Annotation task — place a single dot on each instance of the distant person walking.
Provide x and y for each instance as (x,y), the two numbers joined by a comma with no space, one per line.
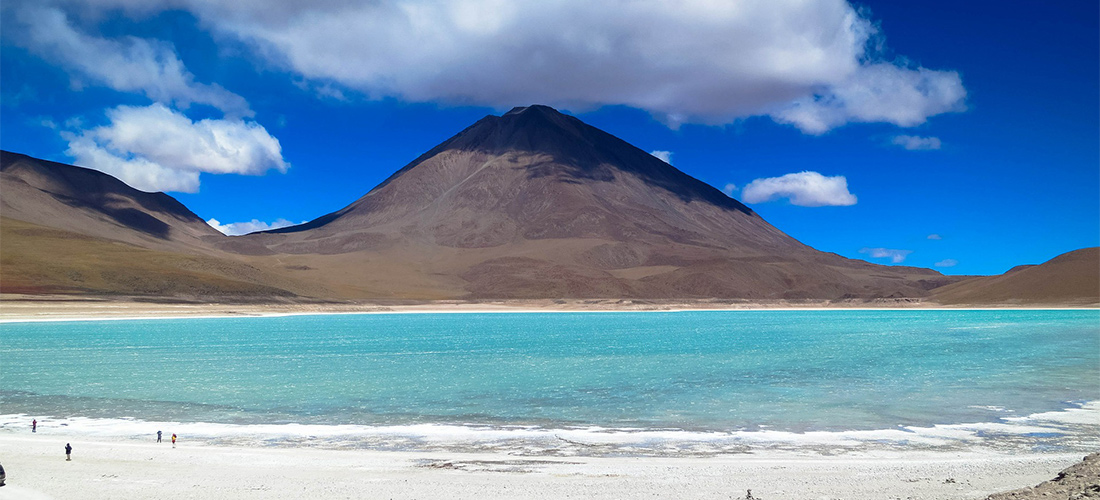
(158,436)
(34,425)
(173,440)
(68,452)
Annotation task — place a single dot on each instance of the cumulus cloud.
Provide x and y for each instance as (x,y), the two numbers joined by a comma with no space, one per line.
(138,172)
(815,65)
(239,228)
(895,256)
(128,64)
(935,237)
(881,92)
(729,189)
(916,143)
(805,189)
(665,156)
(154,148)
(947,263)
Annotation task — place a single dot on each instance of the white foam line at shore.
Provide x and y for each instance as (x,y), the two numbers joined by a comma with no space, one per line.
(1087,414)
(504,310)
(1046,423)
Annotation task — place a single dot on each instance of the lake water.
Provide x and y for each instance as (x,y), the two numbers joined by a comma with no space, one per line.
(569,383)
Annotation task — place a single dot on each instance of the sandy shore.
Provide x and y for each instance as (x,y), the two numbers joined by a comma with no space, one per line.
(36,469)
(50,308)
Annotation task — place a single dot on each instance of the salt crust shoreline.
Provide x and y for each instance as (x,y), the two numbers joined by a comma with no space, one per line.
(100,469)
(21,310)
(1008,434)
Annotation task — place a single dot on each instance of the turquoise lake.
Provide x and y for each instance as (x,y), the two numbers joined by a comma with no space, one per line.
(395,380)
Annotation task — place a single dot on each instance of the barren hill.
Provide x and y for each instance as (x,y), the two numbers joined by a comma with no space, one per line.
(1072,278)
(92,203)
(72,230)
(533,204)
(536,203)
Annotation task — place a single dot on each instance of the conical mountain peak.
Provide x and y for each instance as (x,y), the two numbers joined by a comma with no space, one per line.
(534,156)
(534,108)
(579,152)
(540,118)
(535,128)
(537,203)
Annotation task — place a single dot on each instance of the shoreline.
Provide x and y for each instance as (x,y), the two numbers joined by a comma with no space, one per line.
(24,310)
(1073,428)
(104,468)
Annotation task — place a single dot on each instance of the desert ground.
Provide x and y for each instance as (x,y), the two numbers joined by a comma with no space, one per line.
(100,469)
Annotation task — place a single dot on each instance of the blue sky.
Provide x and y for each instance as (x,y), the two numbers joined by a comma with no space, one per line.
(963,137)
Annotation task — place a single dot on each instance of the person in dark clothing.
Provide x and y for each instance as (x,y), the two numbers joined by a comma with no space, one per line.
(34,425)
(68,452)
(158,436)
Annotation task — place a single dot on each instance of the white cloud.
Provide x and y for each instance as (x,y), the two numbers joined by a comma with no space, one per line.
(154,148)
(935,237)
(895,256)
(138,172)
(917,143)
(947,263)
(729,189)
(128,64)
(880,92)
(239,228)
(816,65)
(805,189)
(44,121)
(665,156)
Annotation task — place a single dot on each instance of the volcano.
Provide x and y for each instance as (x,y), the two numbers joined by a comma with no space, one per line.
(538,204)
(533,204)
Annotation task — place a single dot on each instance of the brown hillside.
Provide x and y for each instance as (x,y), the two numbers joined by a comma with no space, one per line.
(71,230)
(1072,278)
(92,203)
(40,260)
(531,204)
(535,203)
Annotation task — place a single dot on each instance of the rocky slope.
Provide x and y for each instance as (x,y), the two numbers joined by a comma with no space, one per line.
(1078,482)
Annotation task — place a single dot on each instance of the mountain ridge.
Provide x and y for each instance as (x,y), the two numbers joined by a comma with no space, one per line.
(515,131)
(1071,278)
(533,204)
(487,205)
(97,197)
(66,229)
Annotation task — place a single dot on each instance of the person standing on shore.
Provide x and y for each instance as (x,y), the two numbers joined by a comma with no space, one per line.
(158,436)
(173,440)
(34,425)
(68,452)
